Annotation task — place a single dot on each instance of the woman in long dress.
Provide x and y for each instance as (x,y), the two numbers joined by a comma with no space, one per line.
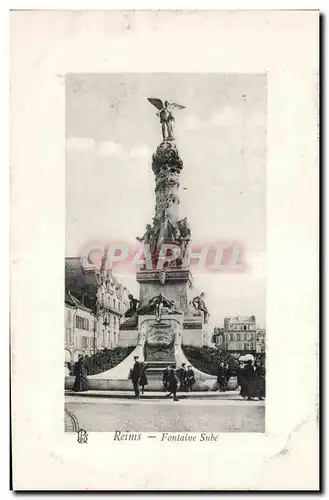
(249,380)
(241,379)
(252,385)
(81,380)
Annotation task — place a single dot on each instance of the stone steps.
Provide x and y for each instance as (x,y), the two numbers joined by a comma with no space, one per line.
(156,368)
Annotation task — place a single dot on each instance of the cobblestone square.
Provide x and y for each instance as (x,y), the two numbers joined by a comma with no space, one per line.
(109,415)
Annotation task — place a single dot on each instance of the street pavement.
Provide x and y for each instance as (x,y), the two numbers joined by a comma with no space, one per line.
(165,415)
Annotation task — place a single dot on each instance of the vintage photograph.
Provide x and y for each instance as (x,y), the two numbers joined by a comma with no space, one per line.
(165,283)
(164,194)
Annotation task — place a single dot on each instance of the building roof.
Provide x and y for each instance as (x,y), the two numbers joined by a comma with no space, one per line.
(81,283)
(73,302)
(241,319)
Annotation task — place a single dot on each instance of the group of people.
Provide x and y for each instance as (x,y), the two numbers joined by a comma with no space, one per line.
(173,380)
(251,379)
(223,376)
(181,379)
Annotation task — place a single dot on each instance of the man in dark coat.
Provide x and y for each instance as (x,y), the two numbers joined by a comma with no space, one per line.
(181,373)
(221,377)
(165,378)
(260,379)
(136,373)
(228,374)
(173,384)
(190,378)
(143,378)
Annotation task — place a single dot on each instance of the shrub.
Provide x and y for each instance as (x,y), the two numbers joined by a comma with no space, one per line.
(207,359)
(105,359)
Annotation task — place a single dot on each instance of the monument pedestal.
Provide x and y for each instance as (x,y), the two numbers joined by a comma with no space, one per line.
(159,344)
(172,282)
(159,339)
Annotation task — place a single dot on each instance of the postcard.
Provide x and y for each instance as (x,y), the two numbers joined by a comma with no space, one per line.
(165,237)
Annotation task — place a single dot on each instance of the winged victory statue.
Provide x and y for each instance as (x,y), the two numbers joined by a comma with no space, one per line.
(165,111)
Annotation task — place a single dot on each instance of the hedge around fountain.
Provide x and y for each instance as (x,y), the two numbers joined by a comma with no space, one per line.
(206,359)
(105,359)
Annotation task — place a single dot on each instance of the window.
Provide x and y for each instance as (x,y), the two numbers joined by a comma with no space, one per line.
(84,342)
(231,336)
(114,303)
(245,328)
(238,336)
(82,323)
(68,337)
(245,336)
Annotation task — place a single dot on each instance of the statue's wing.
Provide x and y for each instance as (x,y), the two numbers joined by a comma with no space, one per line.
(156,102)
(174,105)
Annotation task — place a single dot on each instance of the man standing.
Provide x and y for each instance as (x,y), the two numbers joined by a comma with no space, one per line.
(260,379)
(136,375)
(166,377)
(173,383)
(221,377)
(190,378)
(228,374)
(182,377)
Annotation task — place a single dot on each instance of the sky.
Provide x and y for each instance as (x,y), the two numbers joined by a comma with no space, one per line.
(112,132)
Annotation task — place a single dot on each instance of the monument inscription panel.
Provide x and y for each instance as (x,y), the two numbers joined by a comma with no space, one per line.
(159,343)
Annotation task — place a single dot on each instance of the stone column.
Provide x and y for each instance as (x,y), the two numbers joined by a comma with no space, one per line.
(166,165)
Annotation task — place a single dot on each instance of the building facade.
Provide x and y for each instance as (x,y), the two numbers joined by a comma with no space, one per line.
(260,341)
(80,334)
(218,337)
(240,335)
(112,303)
(95,303)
